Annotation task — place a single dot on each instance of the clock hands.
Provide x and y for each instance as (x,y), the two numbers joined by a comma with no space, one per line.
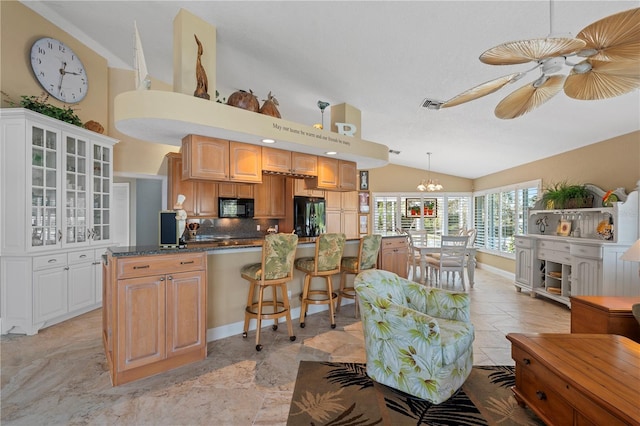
(62,74)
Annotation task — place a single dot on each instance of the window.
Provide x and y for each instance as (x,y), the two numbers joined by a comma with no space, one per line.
(501,213)
(440,214)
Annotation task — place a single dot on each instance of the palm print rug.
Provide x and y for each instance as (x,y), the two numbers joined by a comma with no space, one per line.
(341,394)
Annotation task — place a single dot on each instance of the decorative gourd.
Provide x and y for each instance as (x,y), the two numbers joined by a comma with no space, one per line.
(244,100)
(270,107)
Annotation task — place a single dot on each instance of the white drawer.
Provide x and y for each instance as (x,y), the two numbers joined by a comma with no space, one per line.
(49,261)
(81,256)
(524,242)
(555,256)
(593,252)
(554,245)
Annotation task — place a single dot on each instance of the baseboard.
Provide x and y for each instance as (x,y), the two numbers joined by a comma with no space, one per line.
(508,275)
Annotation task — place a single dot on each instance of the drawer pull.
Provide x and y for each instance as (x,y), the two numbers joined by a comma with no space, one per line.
(141,267)
(82,256)
(541,395)
(187,263)
(52,260)
(526,361)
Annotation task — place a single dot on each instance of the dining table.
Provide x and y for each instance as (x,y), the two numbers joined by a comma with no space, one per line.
(432,245)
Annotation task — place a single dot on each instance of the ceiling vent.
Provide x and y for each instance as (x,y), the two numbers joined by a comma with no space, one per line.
(431,103)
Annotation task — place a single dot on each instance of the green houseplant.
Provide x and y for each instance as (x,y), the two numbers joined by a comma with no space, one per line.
(563,195)
(39,104)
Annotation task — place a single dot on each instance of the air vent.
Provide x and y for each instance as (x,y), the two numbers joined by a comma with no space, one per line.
(393,151)
(431,103)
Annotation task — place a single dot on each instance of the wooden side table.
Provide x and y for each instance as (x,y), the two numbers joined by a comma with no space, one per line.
(605,315)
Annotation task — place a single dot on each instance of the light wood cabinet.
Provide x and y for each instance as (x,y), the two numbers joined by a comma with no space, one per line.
(154,314)
(300,189)
(270,197)
(289,163)
(235,190)
(206,158)
(334,175)
(201,196)
(342,213)
(393,255)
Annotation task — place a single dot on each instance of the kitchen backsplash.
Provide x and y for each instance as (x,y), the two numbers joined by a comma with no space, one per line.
(231,228)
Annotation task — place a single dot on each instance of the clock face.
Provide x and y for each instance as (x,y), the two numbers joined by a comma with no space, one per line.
(59,71)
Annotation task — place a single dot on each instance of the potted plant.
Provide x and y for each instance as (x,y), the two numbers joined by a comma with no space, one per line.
(40,104)
(429,206)
(562,195)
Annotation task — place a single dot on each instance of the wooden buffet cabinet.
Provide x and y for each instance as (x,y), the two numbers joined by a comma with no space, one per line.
(578,379)
(154,313)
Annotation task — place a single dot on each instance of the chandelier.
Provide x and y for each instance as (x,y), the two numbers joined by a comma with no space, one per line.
(429,184)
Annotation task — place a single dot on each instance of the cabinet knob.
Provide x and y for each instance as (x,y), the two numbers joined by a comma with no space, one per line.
(170,278)
(161,278)
(526,361)
(541,395)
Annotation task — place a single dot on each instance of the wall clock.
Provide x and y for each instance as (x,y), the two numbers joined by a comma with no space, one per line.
(59,70)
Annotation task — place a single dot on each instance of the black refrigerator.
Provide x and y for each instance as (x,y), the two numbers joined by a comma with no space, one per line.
(309,216)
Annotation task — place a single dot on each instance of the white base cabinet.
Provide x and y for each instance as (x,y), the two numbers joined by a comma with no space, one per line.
(39,291)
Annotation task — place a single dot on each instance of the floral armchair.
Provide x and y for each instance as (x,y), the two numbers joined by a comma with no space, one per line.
(418,339)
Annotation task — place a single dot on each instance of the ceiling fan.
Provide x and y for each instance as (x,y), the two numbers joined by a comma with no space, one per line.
(611,66)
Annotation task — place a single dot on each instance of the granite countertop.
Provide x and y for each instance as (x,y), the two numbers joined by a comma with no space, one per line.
(213,244)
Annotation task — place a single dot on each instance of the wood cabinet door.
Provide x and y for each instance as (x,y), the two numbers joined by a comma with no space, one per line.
(350,200)
(245,161)
(186,312)
(141,321)
(261,195)
(304,164)
(244,190)
(227,190)
(276,160)
(334,221)
(328,173)
(178,186)
(277,196)
(205,158)
(333,200)
(348,176)
(269,197)
(207,199)
(350,223)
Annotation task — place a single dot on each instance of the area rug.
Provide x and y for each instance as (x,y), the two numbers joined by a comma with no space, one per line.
(341,394)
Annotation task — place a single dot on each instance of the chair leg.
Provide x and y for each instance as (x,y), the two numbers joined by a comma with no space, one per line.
(287,307)
(343,284)
(247,315)
(259,318)
(332,315)
(303,302)
(274,291)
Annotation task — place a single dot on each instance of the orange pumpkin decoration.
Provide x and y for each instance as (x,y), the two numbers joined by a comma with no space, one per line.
(270,107)
(244,100)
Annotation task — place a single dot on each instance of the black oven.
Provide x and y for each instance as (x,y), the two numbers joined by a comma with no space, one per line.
(235,207)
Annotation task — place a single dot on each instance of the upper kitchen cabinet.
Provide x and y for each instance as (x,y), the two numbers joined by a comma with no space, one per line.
(334,175)
(201,196)
(60,187)
(270,197)
(235,190)
(279,161)
(206,158)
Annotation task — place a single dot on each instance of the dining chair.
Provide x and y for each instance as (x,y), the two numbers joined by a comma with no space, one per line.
(274,271)
(415,256)
(325,263)
(453,251)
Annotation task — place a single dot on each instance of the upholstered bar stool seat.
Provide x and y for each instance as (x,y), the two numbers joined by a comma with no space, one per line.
(325,263)
(366,259)
(274,271)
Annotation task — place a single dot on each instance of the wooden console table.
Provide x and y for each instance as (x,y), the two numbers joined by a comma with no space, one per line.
(578,379)
(604,315)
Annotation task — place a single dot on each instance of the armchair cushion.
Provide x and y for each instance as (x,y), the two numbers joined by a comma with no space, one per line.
(418,339)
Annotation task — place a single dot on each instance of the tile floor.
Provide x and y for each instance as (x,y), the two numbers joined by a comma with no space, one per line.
(60,377)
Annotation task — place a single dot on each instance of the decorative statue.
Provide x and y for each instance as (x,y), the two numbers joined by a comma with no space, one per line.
(201,76)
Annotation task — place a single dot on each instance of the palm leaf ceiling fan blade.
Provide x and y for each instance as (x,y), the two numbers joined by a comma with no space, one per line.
(529,97)
(604,80)
(614,38)
(482,90)
(522,51)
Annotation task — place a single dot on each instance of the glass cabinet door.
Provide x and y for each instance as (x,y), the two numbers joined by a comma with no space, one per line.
(45,229)
(101,192)
(76,189)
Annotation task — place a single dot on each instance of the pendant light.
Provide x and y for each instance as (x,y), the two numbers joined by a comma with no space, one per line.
(429,185)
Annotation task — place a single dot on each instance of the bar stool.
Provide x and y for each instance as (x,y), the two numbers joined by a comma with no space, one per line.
(367,258)
(325,263)
(275,270)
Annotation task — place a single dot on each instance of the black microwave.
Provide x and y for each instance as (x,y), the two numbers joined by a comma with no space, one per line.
(235,207)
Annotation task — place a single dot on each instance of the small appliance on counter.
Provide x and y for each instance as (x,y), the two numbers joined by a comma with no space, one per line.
(235,207)
(170,230)
(309,216)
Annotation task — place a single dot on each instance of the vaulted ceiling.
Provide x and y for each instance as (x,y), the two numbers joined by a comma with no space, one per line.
(382,57)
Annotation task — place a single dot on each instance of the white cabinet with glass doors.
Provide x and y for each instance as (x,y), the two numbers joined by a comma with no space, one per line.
(56,199)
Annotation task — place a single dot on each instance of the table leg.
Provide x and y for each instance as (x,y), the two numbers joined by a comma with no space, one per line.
(471,266)
(423,269)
